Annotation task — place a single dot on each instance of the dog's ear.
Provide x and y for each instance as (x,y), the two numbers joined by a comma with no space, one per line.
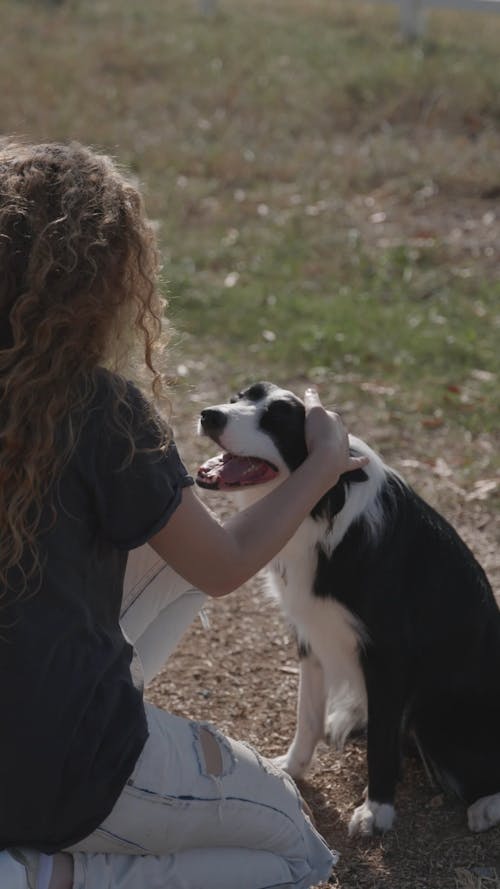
(355,475)
(331,503)
(334,500)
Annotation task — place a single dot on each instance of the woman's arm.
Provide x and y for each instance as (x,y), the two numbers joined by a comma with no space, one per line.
(217,558)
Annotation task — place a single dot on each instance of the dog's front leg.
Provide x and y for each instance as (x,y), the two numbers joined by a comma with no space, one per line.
(385,716)
(310,717)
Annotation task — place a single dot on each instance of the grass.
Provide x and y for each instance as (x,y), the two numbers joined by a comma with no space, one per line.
(325,194)
(290,315)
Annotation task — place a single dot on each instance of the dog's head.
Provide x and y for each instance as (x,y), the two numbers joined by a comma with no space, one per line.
(261,432)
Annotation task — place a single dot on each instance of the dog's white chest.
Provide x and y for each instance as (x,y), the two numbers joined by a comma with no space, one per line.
(323,623)
(293,570)
(291,576)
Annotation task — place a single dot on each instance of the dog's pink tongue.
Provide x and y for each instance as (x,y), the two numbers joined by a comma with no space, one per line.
(227,471)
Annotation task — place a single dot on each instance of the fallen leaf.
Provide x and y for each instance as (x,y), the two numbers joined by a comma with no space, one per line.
(231,279)
(483,488)
(442,468)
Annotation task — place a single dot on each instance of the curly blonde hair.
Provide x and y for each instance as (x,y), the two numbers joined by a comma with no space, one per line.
(78,287)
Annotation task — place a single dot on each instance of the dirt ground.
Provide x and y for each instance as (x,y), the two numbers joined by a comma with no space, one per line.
(242,674)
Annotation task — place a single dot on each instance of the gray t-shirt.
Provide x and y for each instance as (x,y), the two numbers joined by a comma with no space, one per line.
(73,722)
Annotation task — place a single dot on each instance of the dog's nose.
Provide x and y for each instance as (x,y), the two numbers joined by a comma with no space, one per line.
(212,420)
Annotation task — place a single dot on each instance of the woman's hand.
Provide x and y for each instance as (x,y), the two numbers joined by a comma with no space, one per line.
(326,438)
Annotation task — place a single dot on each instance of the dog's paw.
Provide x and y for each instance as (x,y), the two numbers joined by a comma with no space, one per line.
(371,816)
(290,765)
(484,813)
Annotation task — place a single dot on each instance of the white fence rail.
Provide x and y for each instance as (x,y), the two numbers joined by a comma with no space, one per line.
(412,12)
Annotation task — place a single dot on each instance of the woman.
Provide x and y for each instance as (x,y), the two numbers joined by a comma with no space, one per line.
(100,790)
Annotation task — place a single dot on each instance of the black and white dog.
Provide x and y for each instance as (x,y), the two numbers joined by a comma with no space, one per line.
(397,625)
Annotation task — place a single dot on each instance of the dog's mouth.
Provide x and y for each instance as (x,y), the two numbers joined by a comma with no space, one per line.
(225,472)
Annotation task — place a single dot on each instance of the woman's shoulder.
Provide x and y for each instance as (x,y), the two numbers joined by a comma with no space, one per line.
(120,411)
(117,398)
(110,385)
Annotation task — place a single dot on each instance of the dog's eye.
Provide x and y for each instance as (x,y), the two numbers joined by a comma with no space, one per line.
(256,392)
(237,397)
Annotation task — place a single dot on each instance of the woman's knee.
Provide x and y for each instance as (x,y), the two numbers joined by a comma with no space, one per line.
(211,752)
(62,871)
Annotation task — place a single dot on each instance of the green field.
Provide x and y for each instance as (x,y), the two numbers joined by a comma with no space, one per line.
(327,196)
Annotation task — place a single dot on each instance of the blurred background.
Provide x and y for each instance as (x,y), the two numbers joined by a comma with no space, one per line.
(327,195)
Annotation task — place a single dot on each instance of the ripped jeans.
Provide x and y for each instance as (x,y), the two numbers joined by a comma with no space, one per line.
(200,811)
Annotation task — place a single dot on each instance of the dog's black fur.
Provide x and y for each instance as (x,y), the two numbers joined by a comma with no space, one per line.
(427,623)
